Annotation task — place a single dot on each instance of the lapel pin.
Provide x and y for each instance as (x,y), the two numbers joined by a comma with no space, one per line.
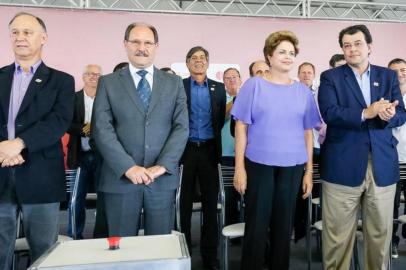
(376,84)
(212,88)
(38,80)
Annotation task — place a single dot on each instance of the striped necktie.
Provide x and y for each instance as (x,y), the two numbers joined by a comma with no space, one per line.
(144,89)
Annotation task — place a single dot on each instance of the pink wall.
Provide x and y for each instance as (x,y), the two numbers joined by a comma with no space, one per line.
(78,37)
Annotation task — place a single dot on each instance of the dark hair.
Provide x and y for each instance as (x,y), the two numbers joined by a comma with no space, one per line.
(140,24)
(39,20)
(275,39)
(396,61)
(231,68)
(351,30)
(196,49)
(120,66)
(306,64)
(168,69)
(335,58)
(252,66)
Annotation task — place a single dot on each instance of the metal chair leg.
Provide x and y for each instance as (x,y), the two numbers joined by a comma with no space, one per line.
(390,256)
(309,251)
(225,253)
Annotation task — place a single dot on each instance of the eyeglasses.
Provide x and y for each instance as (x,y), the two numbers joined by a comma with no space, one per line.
(231,78)
(137,43)
(357,45)
(92,74)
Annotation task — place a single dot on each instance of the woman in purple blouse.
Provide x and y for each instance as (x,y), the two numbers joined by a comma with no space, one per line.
(275,116)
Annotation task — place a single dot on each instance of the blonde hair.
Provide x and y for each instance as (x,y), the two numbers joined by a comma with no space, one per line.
(274,39)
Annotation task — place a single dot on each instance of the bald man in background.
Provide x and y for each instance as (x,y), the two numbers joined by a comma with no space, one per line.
(80,152)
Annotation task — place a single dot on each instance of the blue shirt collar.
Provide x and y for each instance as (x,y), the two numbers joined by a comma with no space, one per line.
(367,72)
(194,82)
(33,68)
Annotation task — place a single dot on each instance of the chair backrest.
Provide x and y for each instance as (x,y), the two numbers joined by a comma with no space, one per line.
(177,199)
(226,178)
(72,181)
(402,171)
(316,173)
(72,185)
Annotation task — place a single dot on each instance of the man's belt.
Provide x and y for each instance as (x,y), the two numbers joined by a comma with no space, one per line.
(201,144)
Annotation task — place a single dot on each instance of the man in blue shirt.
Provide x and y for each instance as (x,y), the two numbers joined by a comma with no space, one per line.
(206,105)
(361,103)
(232,83)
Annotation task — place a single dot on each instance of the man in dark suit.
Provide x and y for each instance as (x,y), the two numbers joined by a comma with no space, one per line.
(80,153)
(360,103)
(140,127)
(36,107)
(207,106)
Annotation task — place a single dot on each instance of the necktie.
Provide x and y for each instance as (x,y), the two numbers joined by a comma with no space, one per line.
(144,89)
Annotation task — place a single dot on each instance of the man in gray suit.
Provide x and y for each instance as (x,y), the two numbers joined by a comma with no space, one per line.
(140,126)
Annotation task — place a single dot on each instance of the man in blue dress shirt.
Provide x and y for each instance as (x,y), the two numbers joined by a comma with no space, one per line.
(206,105)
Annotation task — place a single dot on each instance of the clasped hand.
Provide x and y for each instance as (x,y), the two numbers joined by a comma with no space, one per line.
(86,129)
(10,153)
(381,108)
(141,175)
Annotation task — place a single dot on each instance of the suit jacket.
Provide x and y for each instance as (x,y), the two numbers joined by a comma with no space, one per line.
(44,116)
(218,108)
(75,131)
(349,140)
(126,135)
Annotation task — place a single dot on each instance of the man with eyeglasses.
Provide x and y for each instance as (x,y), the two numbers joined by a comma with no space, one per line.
(207,110)
(140,127)
(36,105)
(80,152)
(361,103)
(258,68)
(232,83)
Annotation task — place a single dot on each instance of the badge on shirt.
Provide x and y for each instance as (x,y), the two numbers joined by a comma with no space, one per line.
(38,80)
(212,88)
(376,84)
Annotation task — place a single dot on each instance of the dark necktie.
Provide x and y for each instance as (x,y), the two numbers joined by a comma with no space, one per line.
(144,89)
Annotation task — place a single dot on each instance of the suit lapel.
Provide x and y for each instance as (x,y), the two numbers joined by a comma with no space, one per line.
(375,85)
(212,91)
(38,81)
(353,84)
(81,106)
(6,80)
(157,89)
(186,84)
(129,86)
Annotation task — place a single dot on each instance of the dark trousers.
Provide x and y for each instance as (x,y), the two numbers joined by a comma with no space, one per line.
(401,185)
(232,196)
(101,229)
(270,203)
(89,174)
(201,162)
(40,223)
(123,211)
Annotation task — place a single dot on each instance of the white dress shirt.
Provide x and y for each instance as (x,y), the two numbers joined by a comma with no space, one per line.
(88,116)
(137,78)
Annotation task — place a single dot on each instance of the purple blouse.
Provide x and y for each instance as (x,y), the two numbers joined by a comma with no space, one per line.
(277,116)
